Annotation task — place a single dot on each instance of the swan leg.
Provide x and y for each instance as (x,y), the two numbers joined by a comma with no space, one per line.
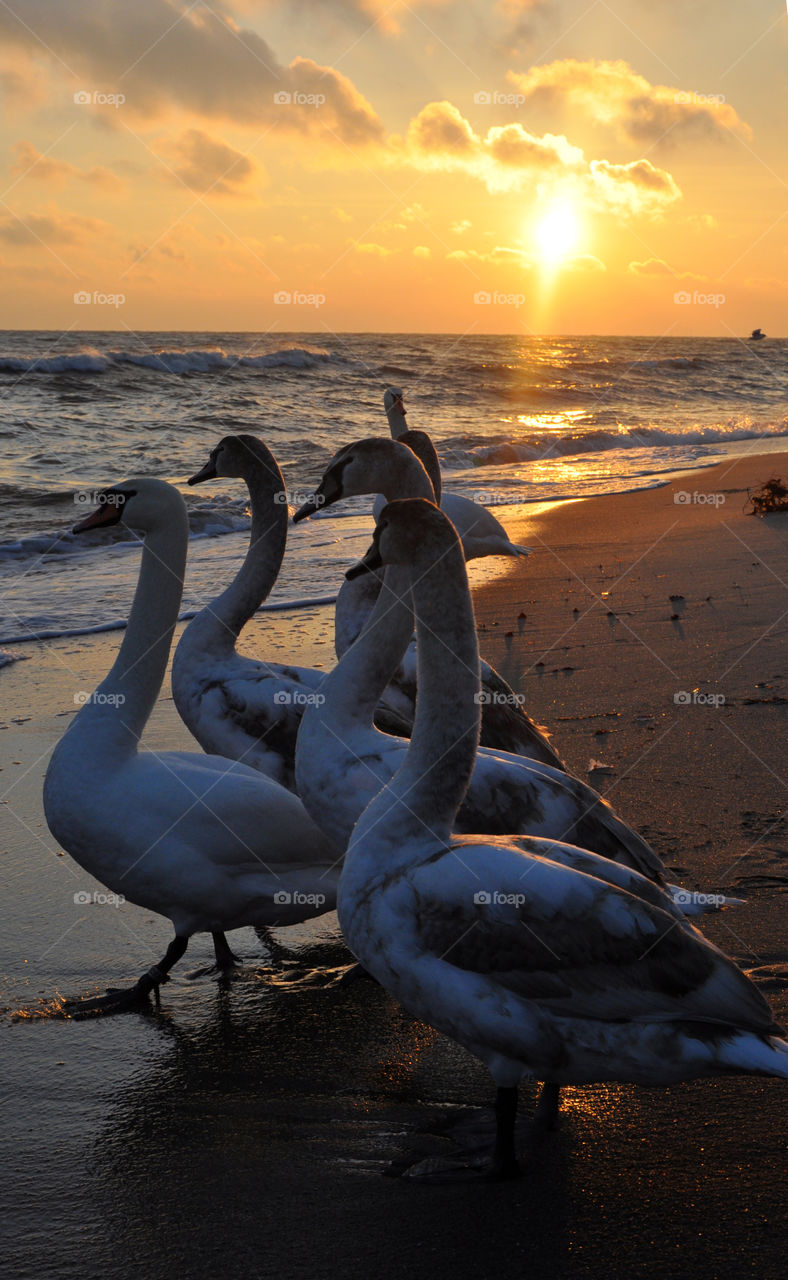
(225,958)
(546,1116)
(504,1161)
(119,1000)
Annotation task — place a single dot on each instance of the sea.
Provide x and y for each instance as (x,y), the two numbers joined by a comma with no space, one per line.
(516,421)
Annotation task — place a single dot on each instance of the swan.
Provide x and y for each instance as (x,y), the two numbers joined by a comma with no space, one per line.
(243,708)
(481,533)
(540,958)
(342,761)
(207,842)
(373,465)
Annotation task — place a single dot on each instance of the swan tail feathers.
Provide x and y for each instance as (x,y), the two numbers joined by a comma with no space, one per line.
(750,1053)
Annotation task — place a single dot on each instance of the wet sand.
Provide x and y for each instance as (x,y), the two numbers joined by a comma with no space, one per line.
(243,1129)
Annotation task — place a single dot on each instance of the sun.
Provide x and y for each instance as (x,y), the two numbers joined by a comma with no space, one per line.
(557,233)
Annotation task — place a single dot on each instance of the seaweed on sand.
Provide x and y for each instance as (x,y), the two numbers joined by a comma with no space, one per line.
(772,496)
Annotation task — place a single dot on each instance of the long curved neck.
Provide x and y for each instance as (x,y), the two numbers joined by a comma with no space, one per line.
(220,623)
(119,709)
(355,602)
(398,424)
(354,688)
(407,479)
(426,792)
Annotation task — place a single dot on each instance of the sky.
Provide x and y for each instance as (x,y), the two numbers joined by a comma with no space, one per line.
(489,166)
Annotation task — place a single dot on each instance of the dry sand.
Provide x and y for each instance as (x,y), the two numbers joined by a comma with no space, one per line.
(242,1130)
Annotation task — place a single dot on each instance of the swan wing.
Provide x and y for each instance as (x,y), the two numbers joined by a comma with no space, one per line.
(578,944)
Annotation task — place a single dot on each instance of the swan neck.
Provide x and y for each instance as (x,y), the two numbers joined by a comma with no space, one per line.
(398,423)
(407,479)
(423,797)
(222,621)
(354,688)
(125,699)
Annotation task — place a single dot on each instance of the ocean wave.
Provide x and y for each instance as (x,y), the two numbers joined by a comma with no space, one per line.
(62,633)
(6,657)
(552,444)
(207,361)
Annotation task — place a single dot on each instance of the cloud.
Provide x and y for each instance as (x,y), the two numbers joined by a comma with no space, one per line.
(508,158)
(612,94)
(422,251)
(374,250)
(50,228)
(207,164)
(658,267)
(164,55)
(33,164)
(501,255)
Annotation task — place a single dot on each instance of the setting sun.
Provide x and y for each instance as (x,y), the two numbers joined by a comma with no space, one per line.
(557,233)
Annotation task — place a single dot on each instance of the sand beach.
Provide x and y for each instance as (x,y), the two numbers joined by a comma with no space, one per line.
(244,1127)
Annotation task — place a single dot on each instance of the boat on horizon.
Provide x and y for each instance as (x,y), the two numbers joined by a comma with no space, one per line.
(756,335)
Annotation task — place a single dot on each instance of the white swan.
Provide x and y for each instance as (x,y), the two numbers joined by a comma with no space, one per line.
(390,468)
(243,708)
(481,533)
(538,957)
(342,761)
(207,842)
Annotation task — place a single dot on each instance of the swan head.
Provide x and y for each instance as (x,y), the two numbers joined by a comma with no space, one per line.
(141,503)
(395,411)
(238,457)
(412,532)
(368,466)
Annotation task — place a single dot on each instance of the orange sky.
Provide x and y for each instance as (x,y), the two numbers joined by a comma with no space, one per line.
(330,165)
